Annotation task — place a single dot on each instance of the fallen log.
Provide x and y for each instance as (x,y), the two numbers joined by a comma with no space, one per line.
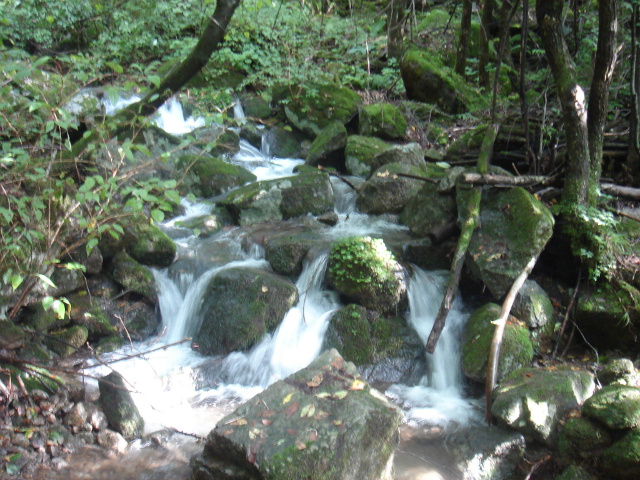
(506,180)
(620,191)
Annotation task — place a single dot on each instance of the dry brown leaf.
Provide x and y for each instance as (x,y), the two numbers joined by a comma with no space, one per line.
(315,381)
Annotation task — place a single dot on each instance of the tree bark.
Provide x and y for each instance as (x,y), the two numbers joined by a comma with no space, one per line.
(633,149)
(604,65)
(486,21)
(572,100)
(395,29)
(177,78)
(463,39)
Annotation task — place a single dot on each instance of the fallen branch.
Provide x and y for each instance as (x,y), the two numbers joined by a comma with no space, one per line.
(417,177)
(141,354)
(468,227)
(496,342)
(620,191)
(337,175)
(506,180)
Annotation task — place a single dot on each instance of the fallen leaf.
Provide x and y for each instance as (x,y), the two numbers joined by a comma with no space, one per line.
(267,413)
(323,394)
(337,423)
(267,421)
(300,445)
(291,409)
(357,385)
(315,381)
(238,422)
(265,289)
(292,431)
(338,363)
(287,399)
(227,432)
(321,415)
(340,394)
(308,410)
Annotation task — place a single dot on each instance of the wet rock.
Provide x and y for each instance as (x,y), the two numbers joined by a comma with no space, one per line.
(387,191)
(240,306)
(620,371)
(112,441)
(581,438)
(285,142)
(77,416)
(119,408)
(217,141)
(67,341)
(96,417)
(133,276)
(255,107)
(210,176)
(622,459)
(323,422)
(406,154)
(328,147)
(616,406)
(285,254)
(532,305)
(382,120)
(91,261)
(428,210)
(516,350)
(360,152)
(486,453)
(513,227)
(364,271)
(329,218)
(533,400)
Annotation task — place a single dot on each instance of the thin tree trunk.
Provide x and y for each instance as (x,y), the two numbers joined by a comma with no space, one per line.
(633,155)
(604,65)
(498,333)
(463,39)
(468,227)
(524,104)
(486,21)
(177,78)
(395,29)
(572,100)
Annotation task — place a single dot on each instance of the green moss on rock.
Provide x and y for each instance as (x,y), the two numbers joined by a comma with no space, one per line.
(382,120)
(67,341)
(622,459)
(580,437)
(616,406)
(328,147)
(360,152)
(132,276)
(207,176)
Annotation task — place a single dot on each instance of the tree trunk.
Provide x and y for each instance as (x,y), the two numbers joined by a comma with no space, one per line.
(463,39)
(395,29)
(177,78)
(485,34)
(633,149)
(605,62)
(572,100)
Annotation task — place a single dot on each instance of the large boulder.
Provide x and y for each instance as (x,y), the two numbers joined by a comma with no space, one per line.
(365,272)
(128,273)
(532,305)
(428,210)
(240,306)
(121,411)
(410,154)
(206,176)
(67,341)
(516,350)
(616,406)
(581,438)
(328,147)
(306,193)
(622,459)
(360,152)
(321,423)
(387,190)
(382,120)
(513,227)
(310,108)
(609,317)
(534,400)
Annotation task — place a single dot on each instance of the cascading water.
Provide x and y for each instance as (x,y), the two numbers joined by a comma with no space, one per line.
(164,378)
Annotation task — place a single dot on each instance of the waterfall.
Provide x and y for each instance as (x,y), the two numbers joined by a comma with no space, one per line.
(439,396)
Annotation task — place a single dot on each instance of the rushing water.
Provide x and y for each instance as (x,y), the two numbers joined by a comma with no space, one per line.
(164,380)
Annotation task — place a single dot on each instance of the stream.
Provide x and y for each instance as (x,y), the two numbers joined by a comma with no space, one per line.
(182,394)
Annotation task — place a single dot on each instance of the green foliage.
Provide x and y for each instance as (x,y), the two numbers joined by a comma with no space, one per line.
(363,260)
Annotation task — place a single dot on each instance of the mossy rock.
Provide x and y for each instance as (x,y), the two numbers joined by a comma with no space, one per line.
(128,273)
(575,472)
(84,313)
(149,245)
(67,341)
(328,147)
(513,228)
(387,190)
(580,437)
(121,411)
(207,176)
(285,142)
(35,378)
(619,371)
(360,152)
(427,79)
(353,332)
(616,406)
(285,254)
(109,344)
(240,306)
(206,225)
(364,271)
(622,459)
(217,141)
(516,351)
(532,305)
(310,108)
(11,336)
(42,319)
(382,120)
(409,154)
(609,316)
(255,107)
(429,209)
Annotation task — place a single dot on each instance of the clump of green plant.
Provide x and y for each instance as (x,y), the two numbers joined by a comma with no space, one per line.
(361,260)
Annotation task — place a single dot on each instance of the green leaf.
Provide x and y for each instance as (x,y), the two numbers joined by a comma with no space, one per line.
(46,280)
(47,302)
(91,244)
(16,281)
(74,266)
(157,215)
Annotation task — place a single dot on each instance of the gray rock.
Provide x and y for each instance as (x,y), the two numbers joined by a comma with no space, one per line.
(622,459)
(616,406)
(133,276)
(328,147)
(112,441)
(386,191)
(323,422)
(532,305)
(621,371)
(360,152)
(533,400)
(120,409)
(77,416)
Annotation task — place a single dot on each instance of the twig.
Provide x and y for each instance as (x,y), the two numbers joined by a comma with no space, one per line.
(566,316)
(337,175)
(135,355)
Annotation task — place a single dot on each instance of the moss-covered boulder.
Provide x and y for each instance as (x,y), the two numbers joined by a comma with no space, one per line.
(206,176)
(121,411)
(387,190)
(409,154)
(534,400)
(619,371)
(87,311)
(516,350)
(130,275)
(581,438)
(428,80)
(532,305)
(382,120)
(513,227)
(240,306)
(310,108)
(328,147)
(364,271)
(149,245)
(283,142)
(616,406)
(353,332)
(321,423)
(11,336)
(217,141)
(609,316)
(306,193)
(622,459)
(575,472)
(204,226)
(429,209)
(67,341)
(360,152)
(109,344)
(255,107)
(66,280)
(285,253)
